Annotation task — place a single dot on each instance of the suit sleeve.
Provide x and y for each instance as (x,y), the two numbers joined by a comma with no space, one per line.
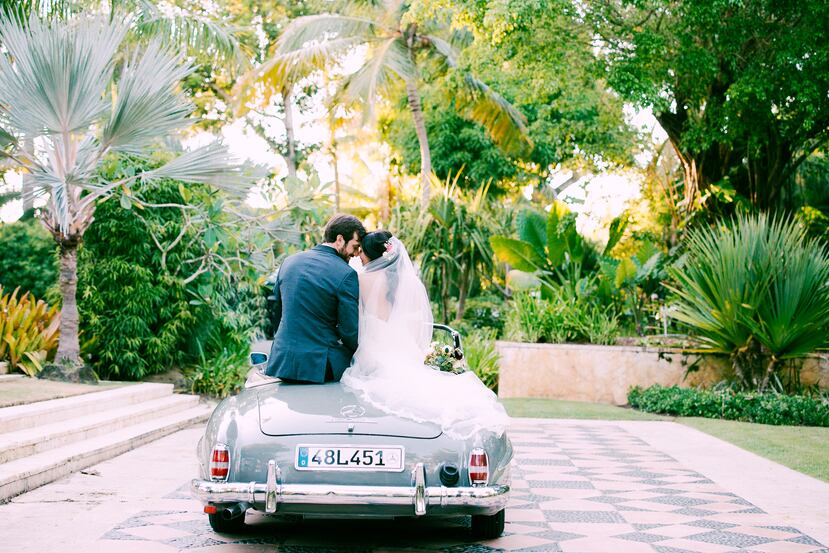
(348,318)
(277,305)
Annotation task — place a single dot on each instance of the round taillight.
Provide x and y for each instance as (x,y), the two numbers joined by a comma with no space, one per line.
(478,467)
(219,462)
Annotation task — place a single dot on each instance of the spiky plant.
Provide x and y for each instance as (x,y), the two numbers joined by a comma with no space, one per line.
(396,48)
(70,96)
(757,290)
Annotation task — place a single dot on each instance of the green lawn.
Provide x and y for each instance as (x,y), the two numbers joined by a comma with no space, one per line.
(802,448)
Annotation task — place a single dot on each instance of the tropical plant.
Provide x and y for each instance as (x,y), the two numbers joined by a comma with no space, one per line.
(482,357)
(66,88)
(756,290)
(28,331)
(29,258)
(397,49)
(551,247)
(219,375)
(450,242)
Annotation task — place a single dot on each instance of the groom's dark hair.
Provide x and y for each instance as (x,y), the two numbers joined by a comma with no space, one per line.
(345,225)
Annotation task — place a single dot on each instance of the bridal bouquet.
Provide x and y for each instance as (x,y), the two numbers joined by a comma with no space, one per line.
(441,357)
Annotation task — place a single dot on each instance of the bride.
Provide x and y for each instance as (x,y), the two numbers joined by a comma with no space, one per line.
(395,333)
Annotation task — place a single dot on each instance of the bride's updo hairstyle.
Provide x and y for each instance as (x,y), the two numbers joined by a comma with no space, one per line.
(374,243)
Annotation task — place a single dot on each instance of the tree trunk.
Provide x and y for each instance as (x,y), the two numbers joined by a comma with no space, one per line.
(68,344)
(423,139)
(291,158)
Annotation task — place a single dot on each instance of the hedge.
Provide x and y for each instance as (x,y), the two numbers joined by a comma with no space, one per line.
(767,408)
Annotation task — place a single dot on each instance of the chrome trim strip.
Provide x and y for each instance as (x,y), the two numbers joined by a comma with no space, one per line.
(274,492)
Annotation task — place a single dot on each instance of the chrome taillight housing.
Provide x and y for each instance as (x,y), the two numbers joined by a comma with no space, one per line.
(219,463)
(478,467)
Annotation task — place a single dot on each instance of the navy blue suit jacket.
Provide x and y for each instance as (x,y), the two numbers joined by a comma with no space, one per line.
(316,316)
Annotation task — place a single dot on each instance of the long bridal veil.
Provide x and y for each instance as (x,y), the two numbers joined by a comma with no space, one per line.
(395,334)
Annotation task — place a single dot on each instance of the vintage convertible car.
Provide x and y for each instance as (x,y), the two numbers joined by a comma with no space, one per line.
(317,449)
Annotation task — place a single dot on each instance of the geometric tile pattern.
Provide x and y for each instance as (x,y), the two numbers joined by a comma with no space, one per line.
(576,488)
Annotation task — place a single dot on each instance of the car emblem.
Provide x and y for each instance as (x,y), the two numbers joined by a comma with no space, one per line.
(352,411)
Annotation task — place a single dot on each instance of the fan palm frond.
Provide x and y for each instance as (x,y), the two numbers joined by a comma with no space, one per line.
(147,104)
(56,81)
(210,164)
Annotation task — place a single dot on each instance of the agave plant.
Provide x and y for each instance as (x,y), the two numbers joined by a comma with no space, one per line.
(395,48)
(70,96)
(757,290)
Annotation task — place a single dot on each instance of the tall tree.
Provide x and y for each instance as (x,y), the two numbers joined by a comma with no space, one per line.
(67,86)
(741,88)
(397,49)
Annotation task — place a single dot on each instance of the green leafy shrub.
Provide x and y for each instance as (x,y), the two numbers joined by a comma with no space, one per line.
(142,294)
(763,408)
(28,331)
(485,313)
(566,317)
(29,259)
(755,290)
(482,357)
(220,374)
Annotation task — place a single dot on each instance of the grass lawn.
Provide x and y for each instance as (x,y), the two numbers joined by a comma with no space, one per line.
(802,448)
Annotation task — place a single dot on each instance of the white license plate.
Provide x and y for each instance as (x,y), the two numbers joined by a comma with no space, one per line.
(350,458)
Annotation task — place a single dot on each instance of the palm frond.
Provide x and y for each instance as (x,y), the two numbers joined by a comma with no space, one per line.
(198,36)
(285,69)
(505,124)
(56,81)
(322,27)
(211,164)
(387,60)
(147,104)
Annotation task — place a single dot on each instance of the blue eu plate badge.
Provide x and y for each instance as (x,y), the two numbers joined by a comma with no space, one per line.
(302,459)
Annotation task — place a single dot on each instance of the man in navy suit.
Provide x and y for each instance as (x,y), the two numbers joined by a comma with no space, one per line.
(316,309)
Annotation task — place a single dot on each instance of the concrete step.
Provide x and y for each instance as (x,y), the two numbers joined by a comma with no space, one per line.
(30,441)
(51,411)
(25,474)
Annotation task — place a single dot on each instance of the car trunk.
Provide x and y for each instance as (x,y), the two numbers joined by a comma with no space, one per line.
(292,409)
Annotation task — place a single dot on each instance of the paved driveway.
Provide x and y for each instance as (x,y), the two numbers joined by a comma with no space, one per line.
(579,486)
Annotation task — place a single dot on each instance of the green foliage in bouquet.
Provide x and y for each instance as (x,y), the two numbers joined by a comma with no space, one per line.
(28,331)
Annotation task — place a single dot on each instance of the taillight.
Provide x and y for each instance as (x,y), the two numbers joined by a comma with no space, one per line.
(478,467)
(219,462)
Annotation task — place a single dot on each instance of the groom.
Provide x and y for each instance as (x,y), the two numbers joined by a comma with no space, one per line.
(316,309)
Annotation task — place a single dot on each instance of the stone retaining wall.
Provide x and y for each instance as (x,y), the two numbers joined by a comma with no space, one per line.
(604,374)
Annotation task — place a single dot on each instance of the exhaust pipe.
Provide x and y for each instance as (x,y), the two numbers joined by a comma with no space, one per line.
(235,511)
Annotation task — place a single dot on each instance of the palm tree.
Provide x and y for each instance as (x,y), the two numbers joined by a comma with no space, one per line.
(68,89)
(395,50)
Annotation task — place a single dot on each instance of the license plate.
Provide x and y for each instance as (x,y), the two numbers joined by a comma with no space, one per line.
(350,458)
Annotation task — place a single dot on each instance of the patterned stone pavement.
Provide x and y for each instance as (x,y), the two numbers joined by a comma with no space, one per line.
(581,488)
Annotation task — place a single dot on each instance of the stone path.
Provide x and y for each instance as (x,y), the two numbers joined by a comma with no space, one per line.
(579,486)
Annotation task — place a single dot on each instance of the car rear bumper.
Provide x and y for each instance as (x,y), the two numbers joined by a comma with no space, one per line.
(418,499)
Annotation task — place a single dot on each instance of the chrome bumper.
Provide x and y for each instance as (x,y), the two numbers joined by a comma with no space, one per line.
(421,498)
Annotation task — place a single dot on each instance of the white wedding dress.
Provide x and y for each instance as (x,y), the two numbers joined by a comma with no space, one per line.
(395,334)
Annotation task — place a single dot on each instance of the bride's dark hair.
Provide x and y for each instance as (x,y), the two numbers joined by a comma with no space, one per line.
(374,243)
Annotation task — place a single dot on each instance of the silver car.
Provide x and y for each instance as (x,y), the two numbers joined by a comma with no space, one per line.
(317,449)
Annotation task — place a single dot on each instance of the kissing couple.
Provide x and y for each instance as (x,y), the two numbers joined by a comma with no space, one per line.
(371,329)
